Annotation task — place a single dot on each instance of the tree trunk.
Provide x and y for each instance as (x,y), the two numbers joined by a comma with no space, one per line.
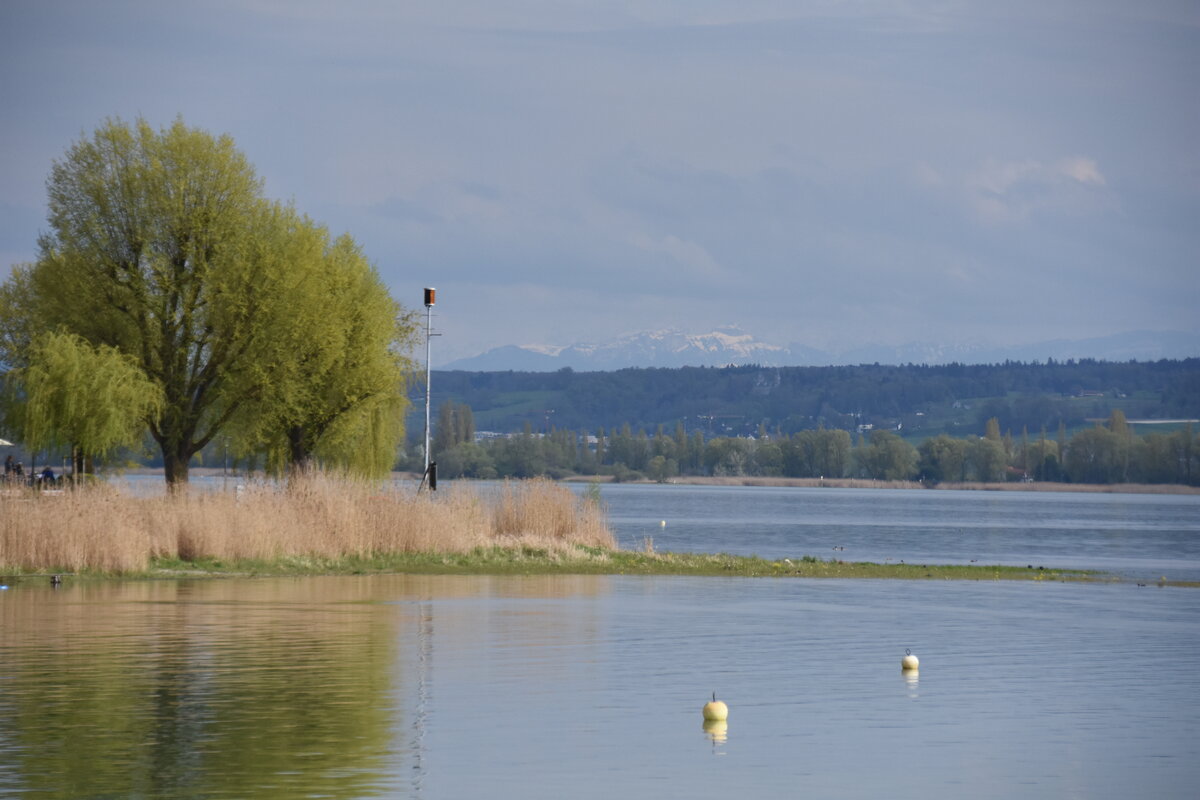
(77,469)
(300,460)
(175,467)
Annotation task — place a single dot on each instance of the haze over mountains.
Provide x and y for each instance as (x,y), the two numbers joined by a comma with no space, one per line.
(731,345)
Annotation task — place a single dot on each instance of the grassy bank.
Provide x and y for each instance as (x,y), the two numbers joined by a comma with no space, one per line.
(317,520)
(324,526)
(584,560)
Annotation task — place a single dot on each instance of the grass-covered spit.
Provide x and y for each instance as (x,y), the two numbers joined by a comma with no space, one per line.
(318,520)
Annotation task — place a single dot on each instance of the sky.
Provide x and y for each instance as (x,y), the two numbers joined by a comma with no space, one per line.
(821,173)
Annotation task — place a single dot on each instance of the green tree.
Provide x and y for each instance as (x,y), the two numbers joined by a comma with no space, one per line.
(943,458)
(695,451)
(1024,453)
(1154,461)
(335,388)
(72,396)
(832,453)
(150,251)
(681,443)
(466,460)
(455,425)
(161,245)
(17,323)
(1044,455)
(987,459)
(521,456)
(660,469)
(1123,434)
(1094,456)
(726,456)
(768,458)
(796,457)
(1187,446)
(886,457)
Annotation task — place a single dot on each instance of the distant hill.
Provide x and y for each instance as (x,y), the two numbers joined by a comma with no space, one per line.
(731,346)
(917,400)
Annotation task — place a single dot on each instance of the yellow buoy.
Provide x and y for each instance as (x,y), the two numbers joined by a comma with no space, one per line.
(909,663)
(716,710)
(663,524)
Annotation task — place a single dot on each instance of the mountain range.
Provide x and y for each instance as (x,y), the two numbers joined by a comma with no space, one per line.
(731,345)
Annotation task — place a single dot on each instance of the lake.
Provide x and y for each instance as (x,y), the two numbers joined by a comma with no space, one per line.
(1138,536)
(591,686)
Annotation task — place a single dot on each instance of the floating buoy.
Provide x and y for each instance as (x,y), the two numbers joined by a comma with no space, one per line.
(663,524)
(716,710)
(909,663)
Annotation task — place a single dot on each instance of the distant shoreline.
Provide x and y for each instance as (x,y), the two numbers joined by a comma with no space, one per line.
(864,483)
(804,483)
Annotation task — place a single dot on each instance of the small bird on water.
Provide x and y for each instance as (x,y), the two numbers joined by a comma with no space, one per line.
(56,580)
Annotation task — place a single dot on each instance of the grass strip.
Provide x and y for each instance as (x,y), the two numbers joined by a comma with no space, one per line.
(583,560)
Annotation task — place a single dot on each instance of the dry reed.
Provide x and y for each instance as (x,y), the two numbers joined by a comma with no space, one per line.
(99,529)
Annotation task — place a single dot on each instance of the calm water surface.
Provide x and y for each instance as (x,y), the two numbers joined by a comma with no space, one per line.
(1133,535)
(591,687)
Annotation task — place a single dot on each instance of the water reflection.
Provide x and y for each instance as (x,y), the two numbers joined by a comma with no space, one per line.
(242,688)
(912,678)
(224,688)
(717,730)
(588,688)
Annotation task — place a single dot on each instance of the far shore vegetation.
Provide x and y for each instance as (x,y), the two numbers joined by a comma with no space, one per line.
(1109,453)
(867,483)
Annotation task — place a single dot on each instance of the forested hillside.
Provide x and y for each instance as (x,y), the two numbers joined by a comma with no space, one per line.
(916,401)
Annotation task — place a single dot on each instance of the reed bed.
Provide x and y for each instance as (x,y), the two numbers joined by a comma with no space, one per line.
(319,517)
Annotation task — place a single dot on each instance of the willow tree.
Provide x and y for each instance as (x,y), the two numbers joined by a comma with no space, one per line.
(161,245)
(17,326)
(70,395)
(337,393)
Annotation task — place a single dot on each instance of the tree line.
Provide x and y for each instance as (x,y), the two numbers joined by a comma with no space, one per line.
(735,401)
(170,298)
(1107,453)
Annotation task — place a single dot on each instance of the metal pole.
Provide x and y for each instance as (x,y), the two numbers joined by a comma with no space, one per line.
(430,295)
(428,377)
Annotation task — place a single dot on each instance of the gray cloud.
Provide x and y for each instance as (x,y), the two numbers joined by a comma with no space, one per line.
(569,171)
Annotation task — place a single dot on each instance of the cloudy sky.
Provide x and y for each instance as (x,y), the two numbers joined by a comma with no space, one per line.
(568,170)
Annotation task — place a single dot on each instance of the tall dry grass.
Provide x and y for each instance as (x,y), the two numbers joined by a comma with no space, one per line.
(98,528)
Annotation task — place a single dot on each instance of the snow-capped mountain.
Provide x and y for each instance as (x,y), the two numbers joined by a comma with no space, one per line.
(661,348)
(731,346)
